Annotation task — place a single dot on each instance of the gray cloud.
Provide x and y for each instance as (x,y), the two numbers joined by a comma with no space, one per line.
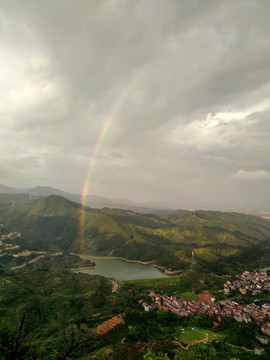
(188,82)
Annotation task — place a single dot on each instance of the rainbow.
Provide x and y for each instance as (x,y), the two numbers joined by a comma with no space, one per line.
(95,152)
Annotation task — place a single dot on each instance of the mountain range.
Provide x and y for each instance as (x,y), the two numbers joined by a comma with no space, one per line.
(9,194)
(221,242)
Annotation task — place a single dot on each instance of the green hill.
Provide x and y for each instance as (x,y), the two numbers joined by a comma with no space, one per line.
(220,241)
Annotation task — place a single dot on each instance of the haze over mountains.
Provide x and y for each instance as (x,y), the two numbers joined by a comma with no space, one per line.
(8,193)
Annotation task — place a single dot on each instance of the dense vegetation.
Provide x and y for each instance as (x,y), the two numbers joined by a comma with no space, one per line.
(46,311)
(222,242)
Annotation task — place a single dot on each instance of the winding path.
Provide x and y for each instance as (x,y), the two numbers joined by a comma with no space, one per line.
(239,347)
(192,343)
(115,285)
(34,260)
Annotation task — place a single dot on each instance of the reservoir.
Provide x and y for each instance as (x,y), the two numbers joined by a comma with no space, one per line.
(123,270)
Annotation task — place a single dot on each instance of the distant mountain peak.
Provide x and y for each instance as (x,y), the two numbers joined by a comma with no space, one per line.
(94,201)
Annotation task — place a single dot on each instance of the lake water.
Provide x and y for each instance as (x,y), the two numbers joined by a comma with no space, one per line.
(123,270)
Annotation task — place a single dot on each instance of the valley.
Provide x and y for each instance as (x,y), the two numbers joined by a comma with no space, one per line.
(66,311)
(220,242)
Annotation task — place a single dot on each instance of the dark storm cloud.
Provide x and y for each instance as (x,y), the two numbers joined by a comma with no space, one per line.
(192,79)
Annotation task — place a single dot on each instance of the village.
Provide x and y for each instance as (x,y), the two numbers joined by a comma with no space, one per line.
(257,281)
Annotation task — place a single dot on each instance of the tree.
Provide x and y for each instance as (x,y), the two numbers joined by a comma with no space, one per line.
(72,339)
(150,355)
(11,344)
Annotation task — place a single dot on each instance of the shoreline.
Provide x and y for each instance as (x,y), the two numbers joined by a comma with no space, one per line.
(173,272)
(168,272)
(83,268)
(163,268)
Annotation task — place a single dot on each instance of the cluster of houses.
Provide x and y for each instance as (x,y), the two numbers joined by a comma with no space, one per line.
(255,282)
(11,235)
(208,305)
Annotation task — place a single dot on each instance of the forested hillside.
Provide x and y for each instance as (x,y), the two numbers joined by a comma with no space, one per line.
(221,242)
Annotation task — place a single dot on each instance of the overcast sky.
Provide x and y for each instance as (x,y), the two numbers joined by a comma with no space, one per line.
(194,79)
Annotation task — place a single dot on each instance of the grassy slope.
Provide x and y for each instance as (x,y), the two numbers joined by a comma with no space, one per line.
(217,238)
